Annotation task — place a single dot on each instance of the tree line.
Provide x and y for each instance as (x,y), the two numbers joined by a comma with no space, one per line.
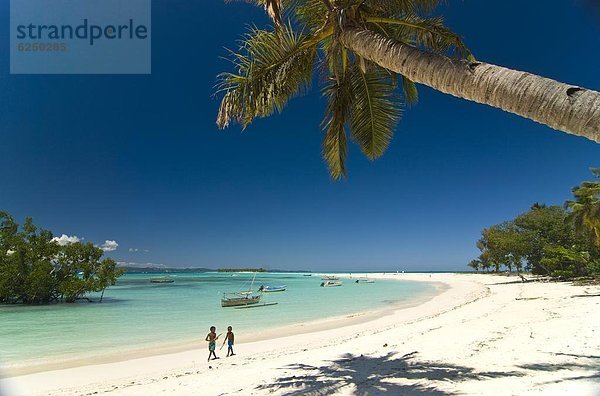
(560,241)
(35,269)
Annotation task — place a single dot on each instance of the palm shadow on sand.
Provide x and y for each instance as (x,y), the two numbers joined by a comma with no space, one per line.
(375,375)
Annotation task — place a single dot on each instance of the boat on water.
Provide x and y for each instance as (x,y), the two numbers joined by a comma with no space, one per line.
(241,298)
(331,283)
(307,274)
(364,280)
(272,289)
(330,278)
(161,279)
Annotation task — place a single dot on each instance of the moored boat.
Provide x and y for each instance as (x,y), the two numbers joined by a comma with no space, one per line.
(161,279)
(331,283)
(239,299)
(272,289)
(330,278)
(364,280)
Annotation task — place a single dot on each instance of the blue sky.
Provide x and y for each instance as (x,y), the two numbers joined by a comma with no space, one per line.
(139,160)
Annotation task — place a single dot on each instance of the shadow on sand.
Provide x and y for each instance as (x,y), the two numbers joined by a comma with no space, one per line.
(375,375)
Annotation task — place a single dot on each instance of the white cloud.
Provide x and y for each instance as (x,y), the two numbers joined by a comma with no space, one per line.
(109,246)
(135,250)
(65,239)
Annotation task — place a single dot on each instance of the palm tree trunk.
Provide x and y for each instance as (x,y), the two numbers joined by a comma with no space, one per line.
(561,106)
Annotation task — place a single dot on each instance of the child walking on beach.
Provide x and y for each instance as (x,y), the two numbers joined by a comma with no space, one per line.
(230,339)
(212,342)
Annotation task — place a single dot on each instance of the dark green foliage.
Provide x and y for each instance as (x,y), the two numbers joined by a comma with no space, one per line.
(36,270)
(548,240)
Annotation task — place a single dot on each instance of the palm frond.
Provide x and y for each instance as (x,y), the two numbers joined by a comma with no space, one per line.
(272,67)
(390,7)
(411,95)
(426,33)
(374,111)
(335,145)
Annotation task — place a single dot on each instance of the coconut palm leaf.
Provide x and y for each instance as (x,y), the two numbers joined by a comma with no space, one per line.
(411,95)
(375,109)
(335,146)
(272,67)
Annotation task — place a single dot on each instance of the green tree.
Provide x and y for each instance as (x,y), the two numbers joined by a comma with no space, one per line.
(34,269)
(584,211)
(475,264)
(566,262)
(504,246)
(543,240)
(107,275)
(367,49)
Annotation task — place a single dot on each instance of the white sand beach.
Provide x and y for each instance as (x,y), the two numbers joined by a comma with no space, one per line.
(483,334)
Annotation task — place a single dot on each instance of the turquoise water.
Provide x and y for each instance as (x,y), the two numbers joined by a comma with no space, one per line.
(138,314)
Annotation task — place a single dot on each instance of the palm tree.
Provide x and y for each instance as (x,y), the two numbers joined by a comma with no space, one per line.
(585,209)
(364,50)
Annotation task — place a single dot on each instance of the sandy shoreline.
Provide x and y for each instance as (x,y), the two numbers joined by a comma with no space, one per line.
(327,323)
(482,335)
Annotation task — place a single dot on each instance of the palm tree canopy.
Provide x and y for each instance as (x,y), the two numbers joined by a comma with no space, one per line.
(585,208)
(364,100)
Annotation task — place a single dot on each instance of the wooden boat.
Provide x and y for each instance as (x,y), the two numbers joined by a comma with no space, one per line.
(242,298)
(272,289)
(330,283)
(161,279)
(239,299)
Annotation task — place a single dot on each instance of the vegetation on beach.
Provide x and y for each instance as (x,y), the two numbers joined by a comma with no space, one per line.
(548,240)
(35,269)
(370,54)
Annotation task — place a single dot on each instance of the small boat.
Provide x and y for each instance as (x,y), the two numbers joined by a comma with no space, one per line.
(364,280)
(161,279)
(330,278)
(330,283)
(307,275)
(272,289)
(239,299)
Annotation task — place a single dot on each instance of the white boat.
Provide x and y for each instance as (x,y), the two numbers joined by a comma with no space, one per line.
(364,280)
(330,278)
(331,283)
(272,289)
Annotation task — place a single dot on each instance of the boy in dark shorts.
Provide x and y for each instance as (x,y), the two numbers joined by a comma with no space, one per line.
(212,342)
(229,338)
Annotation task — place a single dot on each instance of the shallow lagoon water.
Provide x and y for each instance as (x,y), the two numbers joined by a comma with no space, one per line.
(139,314)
